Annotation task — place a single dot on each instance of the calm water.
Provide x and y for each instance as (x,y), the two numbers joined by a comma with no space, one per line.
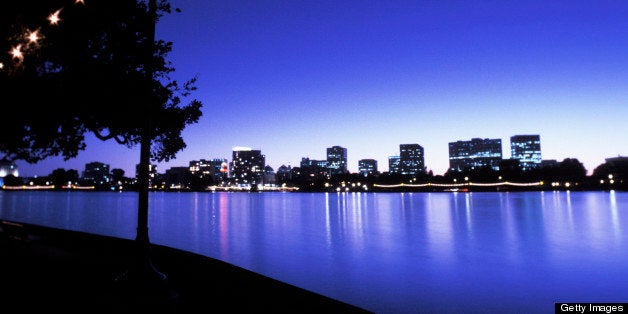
(385,252)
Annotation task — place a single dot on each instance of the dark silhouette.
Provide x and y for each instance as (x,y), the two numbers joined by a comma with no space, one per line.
(612,174)
(117,174)
(11,180)
(61,177)
(97,68)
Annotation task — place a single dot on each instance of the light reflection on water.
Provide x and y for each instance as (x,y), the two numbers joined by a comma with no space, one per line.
(386,252)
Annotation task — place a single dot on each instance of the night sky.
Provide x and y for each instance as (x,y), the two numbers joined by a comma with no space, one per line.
(292,78)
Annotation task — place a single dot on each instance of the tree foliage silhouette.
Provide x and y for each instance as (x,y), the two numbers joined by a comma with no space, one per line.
(97,68)
(88,74)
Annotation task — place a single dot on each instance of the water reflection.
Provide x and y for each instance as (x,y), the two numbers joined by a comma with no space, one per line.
(438,224)
(614,213)
(223,224)
(386,252)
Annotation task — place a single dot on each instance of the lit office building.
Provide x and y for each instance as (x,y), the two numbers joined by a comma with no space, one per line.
(411,159)
(217,169)
(247,166)
(526,149)
(337,160)
(367,167)
(314,168)
(96,172)
(393,164)
(476,153)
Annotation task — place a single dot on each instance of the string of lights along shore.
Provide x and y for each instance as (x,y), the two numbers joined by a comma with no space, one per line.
(478,159)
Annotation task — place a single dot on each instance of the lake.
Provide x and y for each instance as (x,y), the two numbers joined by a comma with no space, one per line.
(385,252)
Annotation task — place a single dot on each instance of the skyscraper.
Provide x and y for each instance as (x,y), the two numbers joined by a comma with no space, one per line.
(367,167)
(393,164)
(96,172)
(411,159)
(337,160)
(476,153)
(526,149)
(247,166)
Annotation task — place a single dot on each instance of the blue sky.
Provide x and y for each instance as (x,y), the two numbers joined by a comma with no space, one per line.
(292,78)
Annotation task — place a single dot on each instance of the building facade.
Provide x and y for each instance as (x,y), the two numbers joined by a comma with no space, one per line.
(96,172)
(367,167)
(314,169)
(393,164)
(337,160)
(526,149)
(247,166)
(476,153)
(411,159)
(217,169)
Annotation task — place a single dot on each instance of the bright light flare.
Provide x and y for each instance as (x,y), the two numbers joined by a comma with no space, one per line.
(54,18)
(33,37)
(79,2)
(16,52)
(1,66)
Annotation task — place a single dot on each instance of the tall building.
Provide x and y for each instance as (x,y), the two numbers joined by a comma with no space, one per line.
(526,149)
(476,153)
(315,169)
(247,166)
(96,172)
(411,159)
(393,164)
(367,167)
(337,159)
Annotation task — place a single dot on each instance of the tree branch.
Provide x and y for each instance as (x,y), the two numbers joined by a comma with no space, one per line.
(104,137)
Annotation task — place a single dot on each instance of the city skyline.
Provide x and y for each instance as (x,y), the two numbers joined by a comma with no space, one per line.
(292,79)
(471,157)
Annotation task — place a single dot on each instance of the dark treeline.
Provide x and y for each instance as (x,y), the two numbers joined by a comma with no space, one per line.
(567,174)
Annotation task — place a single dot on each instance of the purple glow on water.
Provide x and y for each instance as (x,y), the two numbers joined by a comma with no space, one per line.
(385,252)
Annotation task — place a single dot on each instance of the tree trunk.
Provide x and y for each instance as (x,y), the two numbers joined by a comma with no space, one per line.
(144,270)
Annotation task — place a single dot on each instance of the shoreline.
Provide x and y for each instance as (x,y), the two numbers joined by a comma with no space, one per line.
(465,189)
(70,271)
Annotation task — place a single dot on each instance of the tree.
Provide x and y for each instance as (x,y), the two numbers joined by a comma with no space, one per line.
(95,67)
(117,174)
(571,169)
(61,177)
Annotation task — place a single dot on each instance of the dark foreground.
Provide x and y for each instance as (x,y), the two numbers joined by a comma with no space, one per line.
(45,270)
